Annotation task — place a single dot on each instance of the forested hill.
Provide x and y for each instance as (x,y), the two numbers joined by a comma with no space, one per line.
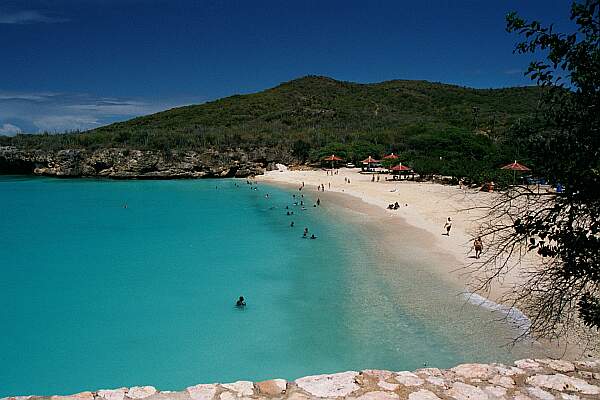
(315,115)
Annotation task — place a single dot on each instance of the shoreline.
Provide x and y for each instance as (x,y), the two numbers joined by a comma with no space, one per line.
(424,206)
(422,218)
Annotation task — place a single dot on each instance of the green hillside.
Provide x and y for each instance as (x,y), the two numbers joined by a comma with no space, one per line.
(312,116)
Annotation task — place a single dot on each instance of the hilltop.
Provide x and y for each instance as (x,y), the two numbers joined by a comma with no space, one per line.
(314,115)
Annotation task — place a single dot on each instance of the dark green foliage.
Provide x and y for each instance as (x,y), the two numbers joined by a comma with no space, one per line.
(316,116)
(565,146)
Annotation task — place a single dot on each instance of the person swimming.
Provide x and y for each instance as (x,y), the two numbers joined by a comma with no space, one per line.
(241,302)
(292,224)
(313,236)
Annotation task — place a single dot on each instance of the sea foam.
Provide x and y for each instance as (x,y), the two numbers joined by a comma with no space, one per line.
(512,315)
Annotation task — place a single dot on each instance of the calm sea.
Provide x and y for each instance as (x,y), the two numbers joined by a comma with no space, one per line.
(95,295)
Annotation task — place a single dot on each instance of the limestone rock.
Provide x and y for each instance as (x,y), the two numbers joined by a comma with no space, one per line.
(377,373)
(77,396)
(423,394)
(332,385)
(504,381)
(463,391)
(378,396)
(520,396)
(437,381)
(429,371)
(298,396)
(202,392)
(471,371)
(495,392)
(114,394)
(562,383)
(273,387)
(541,394)
(565,396)
(228,396)
(558,365)
(241,388)
(140,392)
(528,364)
(588,364)
(408,379)
(388,386)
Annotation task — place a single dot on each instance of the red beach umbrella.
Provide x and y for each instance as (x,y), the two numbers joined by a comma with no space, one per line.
(514,167)
(369,160)
(391,156)
(401,168)
(333,158)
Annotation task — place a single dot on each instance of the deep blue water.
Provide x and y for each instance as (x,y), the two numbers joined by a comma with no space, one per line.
(94,295)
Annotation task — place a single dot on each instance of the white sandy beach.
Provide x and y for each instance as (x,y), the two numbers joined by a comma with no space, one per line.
(425,207)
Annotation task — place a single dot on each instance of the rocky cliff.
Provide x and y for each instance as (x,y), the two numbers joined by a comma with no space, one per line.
(544,379)
(118,163)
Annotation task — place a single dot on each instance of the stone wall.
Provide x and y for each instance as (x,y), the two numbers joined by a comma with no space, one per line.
(527,380)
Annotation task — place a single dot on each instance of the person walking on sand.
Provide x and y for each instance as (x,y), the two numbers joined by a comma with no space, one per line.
(448,226)
(478,244)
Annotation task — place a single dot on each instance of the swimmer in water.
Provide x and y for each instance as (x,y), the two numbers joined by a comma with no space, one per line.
(313,236)
(292,224)
(241,302)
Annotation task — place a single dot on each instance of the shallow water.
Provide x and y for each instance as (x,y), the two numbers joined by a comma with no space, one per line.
(94,295)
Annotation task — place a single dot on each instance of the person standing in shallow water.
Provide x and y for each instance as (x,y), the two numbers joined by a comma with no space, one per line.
(448,226)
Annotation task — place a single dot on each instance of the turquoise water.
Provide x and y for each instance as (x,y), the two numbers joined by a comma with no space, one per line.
(94,295)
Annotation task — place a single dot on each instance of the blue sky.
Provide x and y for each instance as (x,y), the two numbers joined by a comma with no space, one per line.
(78,64)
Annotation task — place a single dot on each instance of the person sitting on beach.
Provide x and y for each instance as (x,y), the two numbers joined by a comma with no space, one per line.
(478,244)
(396,206)
(390,206)
(241,302)
(448,226)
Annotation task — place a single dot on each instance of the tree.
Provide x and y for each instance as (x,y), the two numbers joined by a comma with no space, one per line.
(561,229)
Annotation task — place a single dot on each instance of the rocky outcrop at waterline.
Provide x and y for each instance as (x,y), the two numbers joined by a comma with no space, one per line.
(527,380)
(118,163)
